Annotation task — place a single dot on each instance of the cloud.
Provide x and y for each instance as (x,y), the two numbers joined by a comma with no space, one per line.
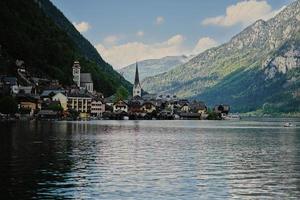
(204,44)
(159,20)
(111,39)
(140,33)
(125,54)
(82,26)
(244,13)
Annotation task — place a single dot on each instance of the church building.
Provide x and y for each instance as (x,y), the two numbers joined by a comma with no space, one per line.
(137,88)
(82,80)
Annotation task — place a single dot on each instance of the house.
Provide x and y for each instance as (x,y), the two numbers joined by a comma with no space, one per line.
(185,108)
(198,107)
(120,106)
(222,109)
(80,101)
(63,99)
(12,84)
(148,107)
(97,107)
(29,103)
(48,94)
(134,106)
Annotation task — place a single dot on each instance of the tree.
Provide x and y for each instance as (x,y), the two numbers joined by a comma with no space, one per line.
(8,105)
(121,94)
(55,107)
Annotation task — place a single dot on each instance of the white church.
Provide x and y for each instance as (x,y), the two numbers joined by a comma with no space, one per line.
(82,80)
(137,88)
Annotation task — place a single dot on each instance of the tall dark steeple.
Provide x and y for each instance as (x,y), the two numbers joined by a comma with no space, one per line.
(137,88)
(137,79)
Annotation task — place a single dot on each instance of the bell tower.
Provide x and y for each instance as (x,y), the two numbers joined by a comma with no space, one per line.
(76,73)
(137,88)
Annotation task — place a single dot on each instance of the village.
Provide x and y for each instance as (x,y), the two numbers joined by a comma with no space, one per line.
(29,97)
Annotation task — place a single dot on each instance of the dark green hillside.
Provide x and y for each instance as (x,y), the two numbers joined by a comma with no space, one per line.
(28,34)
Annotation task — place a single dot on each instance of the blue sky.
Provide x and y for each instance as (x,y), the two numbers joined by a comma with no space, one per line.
(127,30)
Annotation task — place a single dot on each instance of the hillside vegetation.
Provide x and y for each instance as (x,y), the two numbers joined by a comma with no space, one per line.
(30,32)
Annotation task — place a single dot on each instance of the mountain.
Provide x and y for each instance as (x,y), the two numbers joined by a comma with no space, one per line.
(36,32)
(153,67)
(257,69)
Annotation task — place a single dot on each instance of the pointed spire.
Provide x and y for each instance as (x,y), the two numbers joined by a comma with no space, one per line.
(137,79)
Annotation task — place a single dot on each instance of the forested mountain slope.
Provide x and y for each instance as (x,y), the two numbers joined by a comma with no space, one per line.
(36,32)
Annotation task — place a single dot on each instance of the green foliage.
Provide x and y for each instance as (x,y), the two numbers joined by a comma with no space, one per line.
(55,107)
(49,48)
(121,94)
(8,105)
(73,114)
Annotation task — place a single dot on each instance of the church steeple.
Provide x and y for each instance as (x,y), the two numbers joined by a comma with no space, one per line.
(136,79)
(137,88)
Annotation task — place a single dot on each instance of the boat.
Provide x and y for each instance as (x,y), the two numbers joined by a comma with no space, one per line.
(231,117)
(288,124)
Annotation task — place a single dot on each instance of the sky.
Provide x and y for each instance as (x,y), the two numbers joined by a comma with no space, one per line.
(126,31)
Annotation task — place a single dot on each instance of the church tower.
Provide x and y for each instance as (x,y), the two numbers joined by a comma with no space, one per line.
(76,73)
(137,88)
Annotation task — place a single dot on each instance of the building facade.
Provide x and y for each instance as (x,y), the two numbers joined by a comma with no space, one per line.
(63,99)
(97,108)
(80,103)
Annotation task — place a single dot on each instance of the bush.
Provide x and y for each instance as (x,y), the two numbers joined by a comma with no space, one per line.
(8,105)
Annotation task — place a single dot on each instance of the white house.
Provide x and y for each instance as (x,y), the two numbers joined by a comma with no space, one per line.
(63,99)
(97,108)
(120,106)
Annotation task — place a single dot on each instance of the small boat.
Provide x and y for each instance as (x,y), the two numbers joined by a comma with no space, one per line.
(288,124)
(231,117)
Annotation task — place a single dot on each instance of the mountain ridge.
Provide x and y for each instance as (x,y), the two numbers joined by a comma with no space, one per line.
(151,67)
(244,54)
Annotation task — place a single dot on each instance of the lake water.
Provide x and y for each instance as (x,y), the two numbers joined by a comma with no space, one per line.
(248,159)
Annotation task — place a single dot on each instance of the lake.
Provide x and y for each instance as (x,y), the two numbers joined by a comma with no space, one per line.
(247,159)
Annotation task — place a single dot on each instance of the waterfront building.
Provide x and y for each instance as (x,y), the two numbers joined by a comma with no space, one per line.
(97,108)
(80,102)
(120,106)
(148,107)
(137,88)
(29,103)
(63,99)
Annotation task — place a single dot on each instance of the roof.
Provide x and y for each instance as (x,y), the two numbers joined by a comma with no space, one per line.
(10,80)
(86,78)
(121,103)
(80,93)
(48,92)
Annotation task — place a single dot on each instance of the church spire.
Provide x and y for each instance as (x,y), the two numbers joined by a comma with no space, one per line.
(137,89)
(137,79)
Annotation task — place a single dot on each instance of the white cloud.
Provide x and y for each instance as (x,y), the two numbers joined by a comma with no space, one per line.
(140,33)
(204,44)
(111,40)
(159,20)
(82,26)
(244,13)
(125,54)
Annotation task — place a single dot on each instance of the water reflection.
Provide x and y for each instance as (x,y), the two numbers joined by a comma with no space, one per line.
(148,159)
